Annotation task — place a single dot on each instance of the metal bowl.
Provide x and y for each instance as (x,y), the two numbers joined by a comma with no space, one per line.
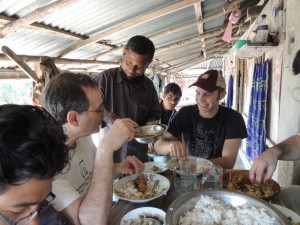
(149,133)
(188,201)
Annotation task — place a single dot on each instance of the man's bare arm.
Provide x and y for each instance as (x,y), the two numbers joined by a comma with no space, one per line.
(168,144)
(289,149)
(229,153)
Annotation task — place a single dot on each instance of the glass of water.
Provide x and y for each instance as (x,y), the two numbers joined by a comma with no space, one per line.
(212,177)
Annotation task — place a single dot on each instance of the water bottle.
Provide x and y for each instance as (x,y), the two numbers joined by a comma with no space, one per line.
(262,30)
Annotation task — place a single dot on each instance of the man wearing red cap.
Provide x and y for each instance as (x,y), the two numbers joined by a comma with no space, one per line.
(208,129)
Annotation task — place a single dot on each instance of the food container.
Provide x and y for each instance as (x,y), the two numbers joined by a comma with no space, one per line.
(149,133)
(239,180)
(187,202)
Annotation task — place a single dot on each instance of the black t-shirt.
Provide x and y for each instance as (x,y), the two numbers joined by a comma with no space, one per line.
(205,137)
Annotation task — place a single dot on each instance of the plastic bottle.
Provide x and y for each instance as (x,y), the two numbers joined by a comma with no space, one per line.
(262,30)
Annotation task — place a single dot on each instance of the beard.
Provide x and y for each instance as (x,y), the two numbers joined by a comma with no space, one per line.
(136,79)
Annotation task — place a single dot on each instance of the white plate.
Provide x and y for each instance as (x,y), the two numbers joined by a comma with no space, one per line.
(149,165)
(288,213)
(134,214)
(161,189)
(173,164)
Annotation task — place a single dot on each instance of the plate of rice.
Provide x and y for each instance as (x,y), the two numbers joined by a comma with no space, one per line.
(155,167)
(143,215)
(219,206)
(138,189)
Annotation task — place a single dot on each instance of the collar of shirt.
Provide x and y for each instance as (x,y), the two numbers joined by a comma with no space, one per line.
(122,78)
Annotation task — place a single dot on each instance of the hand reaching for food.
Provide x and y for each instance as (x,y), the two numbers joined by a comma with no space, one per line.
(132,165)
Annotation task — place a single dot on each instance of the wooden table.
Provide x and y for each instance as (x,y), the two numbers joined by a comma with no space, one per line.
(122,207)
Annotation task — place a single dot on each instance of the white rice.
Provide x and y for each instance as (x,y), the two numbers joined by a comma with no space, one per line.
(212,211)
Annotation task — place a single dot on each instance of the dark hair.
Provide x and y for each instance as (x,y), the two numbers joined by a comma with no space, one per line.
(174,88)
(32,144)
(141,45)
(296,63)
(64,93)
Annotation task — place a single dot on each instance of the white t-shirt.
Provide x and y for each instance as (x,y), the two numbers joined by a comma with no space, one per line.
(74,181)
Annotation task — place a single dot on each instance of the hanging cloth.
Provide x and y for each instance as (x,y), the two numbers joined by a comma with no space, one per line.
(256,140)
(233,19)
(229,99)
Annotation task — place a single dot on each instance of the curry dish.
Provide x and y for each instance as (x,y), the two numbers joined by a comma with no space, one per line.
(241,182)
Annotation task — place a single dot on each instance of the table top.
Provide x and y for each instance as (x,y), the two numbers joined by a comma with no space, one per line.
(122,207)
(163,202)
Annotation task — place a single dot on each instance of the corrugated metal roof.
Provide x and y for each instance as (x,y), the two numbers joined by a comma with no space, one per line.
(66,27)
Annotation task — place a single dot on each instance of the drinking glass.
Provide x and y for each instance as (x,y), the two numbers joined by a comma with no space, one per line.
(183,185)
(212,177)
(188,165)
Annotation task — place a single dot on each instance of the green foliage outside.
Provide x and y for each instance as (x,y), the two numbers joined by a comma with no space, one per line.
(15,91)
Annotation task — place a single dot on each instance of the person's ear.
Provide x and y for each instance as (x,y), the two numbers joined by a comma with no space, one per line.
(222,94)
(73,118)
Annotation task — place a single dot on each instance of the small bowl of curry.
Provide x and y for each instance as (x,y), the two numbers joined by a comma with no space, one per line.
(149,133)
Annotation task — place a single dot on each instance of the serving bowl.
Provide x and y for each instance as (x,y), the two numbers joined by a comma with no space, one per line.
(144,212)
(149,133)
(239,180)
(187,202)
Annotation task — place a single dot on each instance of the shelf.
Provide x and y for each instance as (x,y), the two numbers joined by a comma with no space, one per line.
(254,50)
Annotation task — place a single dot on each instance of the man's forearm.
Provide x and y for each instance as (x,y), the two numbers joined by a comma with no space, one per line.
(96,204)
(117,171)
(289,149)
(225,163)
(162,146)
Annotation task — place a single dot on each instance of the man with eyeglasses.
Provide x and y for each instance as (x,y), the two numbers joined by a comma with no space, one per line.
(170,98)
(84,189)
(32,152)
(208,129)
(128,93)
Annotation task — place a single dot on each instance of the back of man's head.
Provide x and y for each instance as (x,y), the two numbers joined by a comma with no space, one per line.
(65,92)
(32,144)
(141,45)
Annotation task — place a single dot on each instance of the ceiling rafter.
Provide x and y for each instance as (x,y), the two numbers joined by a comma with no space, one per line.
(34,16)
(127,24)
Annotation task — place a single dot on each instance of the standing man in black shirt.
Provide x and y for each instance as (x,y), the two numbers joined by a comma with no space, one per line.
(129,93)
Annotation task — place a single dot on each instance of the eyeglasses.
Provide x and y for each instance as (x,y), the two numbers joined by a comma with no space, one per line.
(100,109)
(169,98)
(33,214)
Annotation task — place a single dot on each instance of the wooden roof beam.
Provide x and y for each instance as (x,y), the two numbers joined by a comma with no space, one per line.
(18,60)
(197,22)
(125,25)
(188,47)
(37,59)
(34,16)
(217,31)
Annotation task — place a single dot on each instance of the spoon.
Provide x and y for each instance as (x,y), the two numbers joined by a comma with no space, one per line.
(156,182)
